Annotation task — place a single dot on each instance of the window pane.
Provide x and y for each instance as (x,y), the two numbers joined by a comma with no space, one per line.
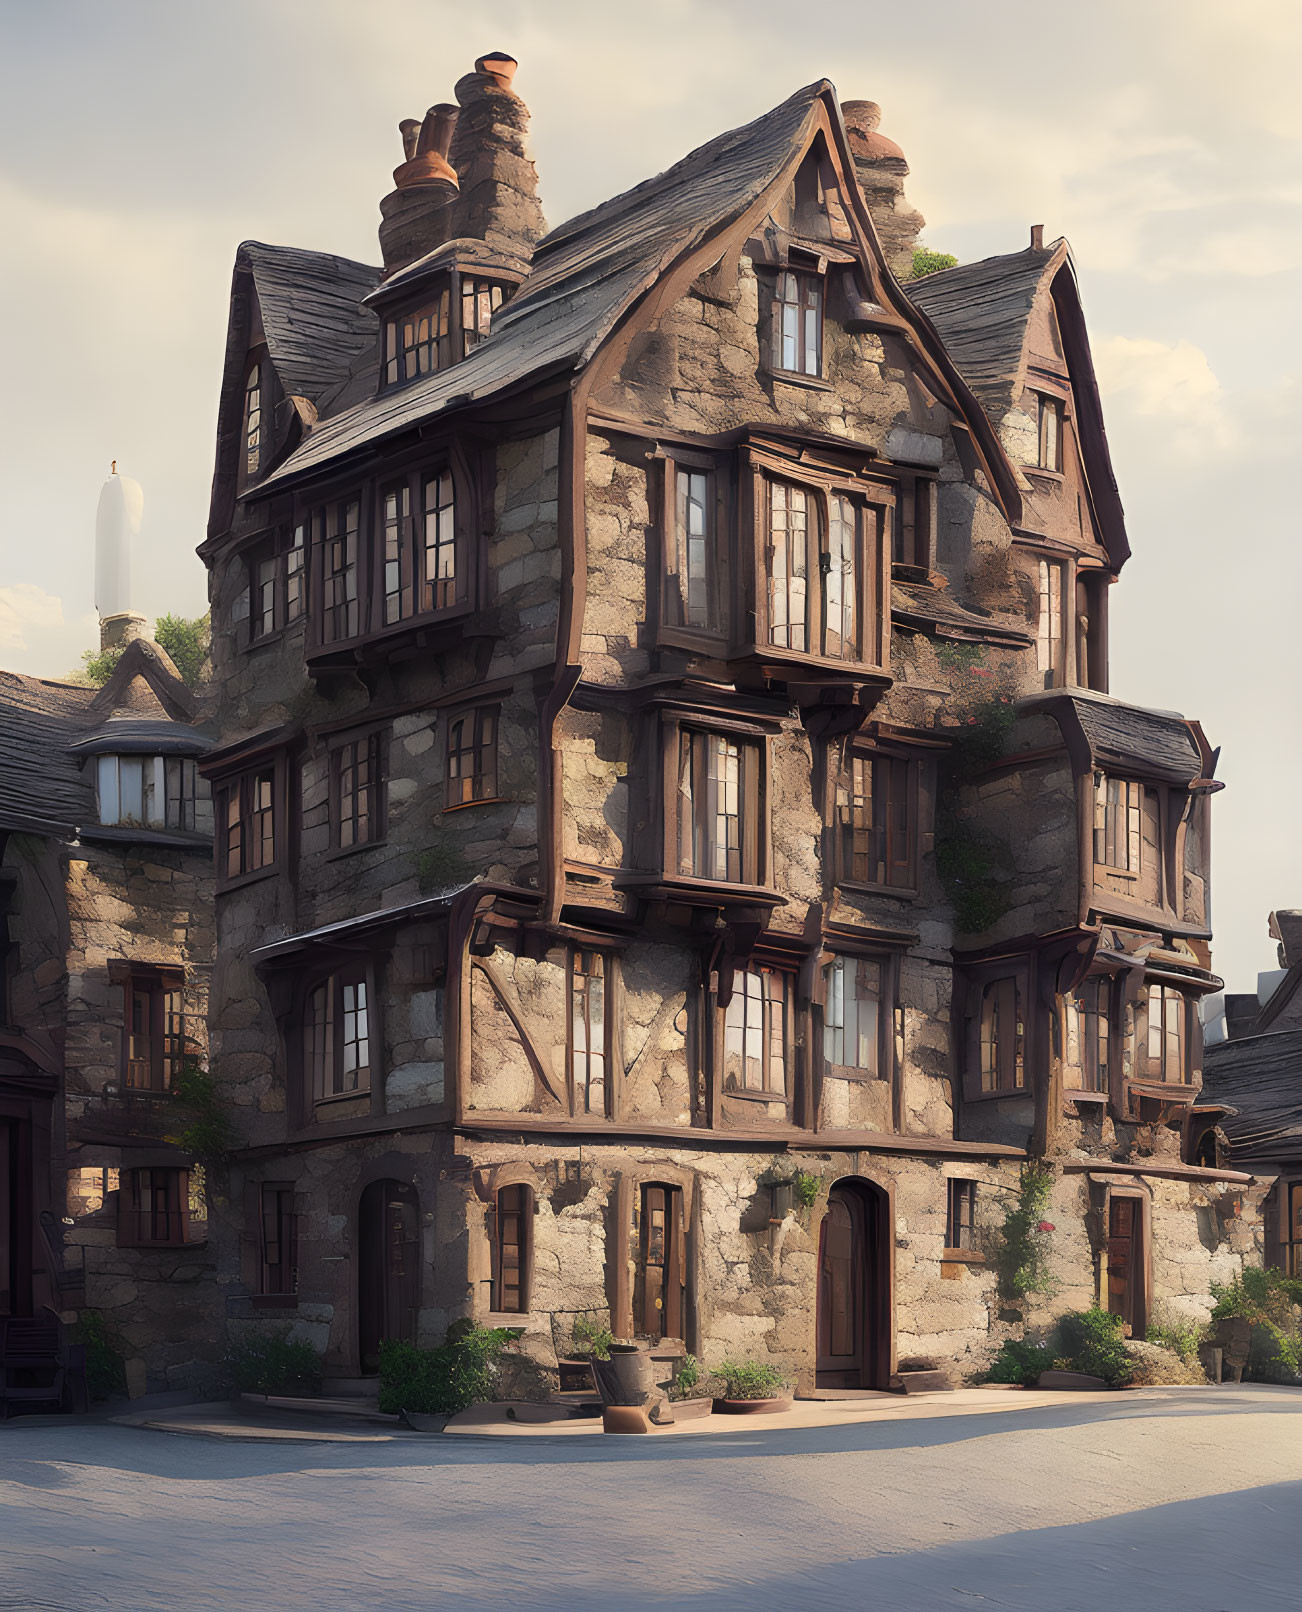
(788,566)
(693,547)
(110,809)
(840,586)
(440,549)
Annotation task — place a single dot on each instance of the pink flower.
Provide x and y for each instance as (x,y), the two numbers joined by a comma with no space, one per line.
(1046,1225)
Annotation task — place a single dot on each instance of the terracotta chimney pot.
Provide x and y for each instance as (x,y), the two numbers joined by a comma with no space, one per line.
(428,163)
(498,66)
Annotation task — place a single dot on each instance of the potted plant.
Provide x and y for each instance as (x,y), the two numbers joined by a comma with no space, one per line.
(686,1402)
(753,1387)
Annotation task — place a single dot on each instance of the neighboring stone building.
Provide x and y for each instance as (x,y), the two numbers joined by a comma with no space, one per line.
(666,773)
(106,938)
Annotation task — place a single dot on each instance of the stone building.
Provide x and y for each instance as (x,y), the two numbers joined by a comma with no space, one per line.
(678,855)
(106,940)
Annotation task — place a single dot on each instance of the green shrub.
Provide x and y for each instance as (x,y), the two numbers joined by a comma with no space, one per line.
(186,643)
(208,1134)
(1092,1341)
(271,1362)
(687,1379)
(106,1375)
(926,262)
(807,1186)
(1019,1362)
(1268,1301)
(592,1337)
(751,1379)
(442,1381)
(1021,1246)
(1183,1337)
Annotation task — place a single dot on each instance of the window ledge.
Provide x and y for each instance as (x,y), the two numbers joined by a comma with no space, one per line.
(750,1095)
(900,892)
(488,800)
(1045,473)
(514,1320)
(791,377)
(176,839)
(225,886)
(341,1097)
(962,1256)
(341,851)
(845,1071)
(274,1301)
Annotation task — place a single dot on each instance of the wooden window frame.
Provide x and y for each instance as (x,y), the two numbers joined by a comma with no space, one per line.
(1095,1031)
(809,302)
(477,296)
(675,542)
(1053,648)
(243,788)
(900,769)
(999,1059)
(765,970)
(484,751)
(1049,442)
(579,1011)
(915,530)
(339,616)
(168,1209)
(690,741)
(252,433)
(1290,1228)
(161,992)
(1110,832)
(277,571)
(883,1052)
(960,1215)
(332,1025)
(819,566)
(278,1214)
(419,534)
(358,816)
(1177,1009)
(417,340)
(513,1254)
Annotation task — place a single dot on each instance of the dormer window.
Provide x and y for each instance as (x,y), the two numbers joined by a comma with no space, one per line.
(480,300)
(253,421)
(419,342)
(148,791)
(798,323)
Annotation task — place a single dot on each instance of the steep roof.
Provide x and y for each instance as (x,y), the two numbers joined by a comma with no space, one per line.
(584,275)
(1261,1077)
(43,790)
(982,311)
(312,315)
(934,610)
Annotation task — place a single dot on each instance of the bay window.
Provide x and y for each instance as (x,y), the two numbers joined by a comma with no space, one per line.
(758,1034)
(821,574)
(718,807)
(149,791)
(337,1036)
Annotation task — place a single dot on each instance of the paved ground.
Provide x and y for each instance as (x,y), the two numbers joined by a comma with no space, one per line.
(1166,1500)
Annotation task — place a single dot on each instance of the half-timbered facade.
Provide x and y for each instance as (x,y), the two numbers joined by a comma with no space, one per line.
(602,619)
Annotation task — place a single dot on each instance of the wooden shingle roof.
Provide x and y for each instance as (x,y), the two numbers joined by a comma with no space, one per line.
(1117,735)
(312,314)
(981,311)
(43,790)
(1260,1076)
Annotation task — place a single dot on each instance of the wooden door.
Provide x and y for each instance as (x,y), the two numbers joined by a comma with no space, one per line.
(17,1217)
(842,1269)
(388,1267)
(659,1289)
(1125,1262)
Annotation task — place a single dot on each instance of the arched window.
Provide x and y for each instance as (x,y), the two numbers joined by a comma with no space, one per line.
(512,1249)
(253,420)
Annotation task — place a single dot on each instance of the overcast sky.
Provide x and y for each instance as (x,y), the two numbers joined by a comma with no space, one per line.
(142,140)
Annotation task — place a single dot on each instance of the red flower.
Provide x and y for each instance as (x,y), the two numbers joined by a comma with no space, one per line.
(1046,1225)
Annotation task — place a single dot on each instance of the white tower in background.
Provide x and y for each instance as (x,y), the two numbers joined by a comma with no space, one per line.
(117,529)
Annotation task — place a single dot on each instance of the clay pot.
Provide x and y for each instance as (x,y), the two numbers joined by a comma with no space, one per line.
(754,1407)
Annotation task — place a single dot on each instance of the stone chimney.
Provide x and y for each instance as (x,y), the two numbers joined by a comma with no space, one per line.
(498,199)
(882,170)
(117,530)
(414,215)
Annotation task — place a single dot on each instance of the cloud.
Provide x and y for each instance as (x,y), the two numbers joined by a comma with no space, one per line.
(26,608)
(1172,384)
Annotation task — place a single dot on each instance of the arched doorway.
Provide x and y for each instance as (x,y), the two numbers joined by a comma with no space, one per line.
(854,1288)
(388,1267)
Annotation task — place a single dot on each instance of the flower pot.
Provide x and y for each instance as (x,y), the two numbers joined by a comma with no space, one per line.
(754,1407)
(684,1410)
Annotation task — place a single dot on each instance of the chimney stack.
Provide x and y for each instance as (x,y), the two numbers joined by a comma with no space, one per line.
(1037,237)
(117,526)
(882,170)
(498,199)
(413,216)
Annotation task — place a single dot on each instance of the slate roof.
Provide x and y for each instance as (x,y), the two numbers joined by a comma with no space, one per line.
(43,790)
(312,315)
(585,274)
(1261,1077)
(981,311)
(933,608)
(1130,734)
